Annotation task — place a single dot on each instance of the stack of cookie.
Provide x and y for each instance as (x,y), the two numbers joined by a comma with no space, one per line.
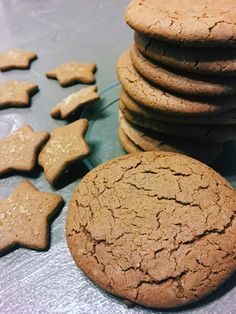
(179,77)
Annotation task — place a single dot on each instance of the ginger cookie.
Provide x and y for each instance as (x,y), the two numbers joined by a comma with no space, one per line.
(169,233)
(181,82)
(228,117)
(73,72)
(66,146)
(19,151)
(16,94)
(127,143)
(199,132)
(153,97)
(213,61)
(16,59)
(189,23)
(25,216)
(76,101)
(148,140)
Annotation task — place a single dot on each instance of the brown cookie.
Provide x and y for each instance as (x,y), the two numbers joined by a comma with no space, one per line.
(148,140)
(73,72)
(127,144)
(199,132)
(213,61)
(155,228)
(228,117)
(195,23)
(181,82)
(153,97)
(20,149)
(76,101)
(16,59)
(24,217)
(16,94)
(66,146)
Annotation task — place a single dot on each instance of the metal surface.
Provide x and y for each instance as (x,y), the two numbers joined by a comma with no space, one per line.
(85,30)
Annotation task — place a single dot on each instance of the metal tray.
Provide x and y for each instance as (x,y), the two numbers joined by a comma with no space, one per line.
(92,30)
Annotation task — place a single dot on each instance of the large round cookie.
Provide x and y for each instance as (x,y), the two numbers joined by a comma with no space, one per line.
(208,133)
(155,98)
(228,117)
(147,140)
(214,61)
(186,22)
(157,229)
(181,82)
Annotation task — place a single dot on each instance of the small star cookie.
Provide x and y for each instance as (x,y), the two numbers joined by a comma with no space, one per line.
(66,146)
(24,217)
(74,102)
(20,149)
(16,59)
(16,94)
(73,72)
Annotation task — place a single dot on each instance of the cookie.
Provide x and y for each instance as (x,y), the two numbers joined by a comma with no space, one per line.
(228,117)
(20,149)
(148,140)
(155,228)
(66,147)
(202,23)
(213,61)
(16,94)
(76,101)
(181,82)
(127,144)
(25,216)
(16,59)
(199,132)
(73,72)
(155,98)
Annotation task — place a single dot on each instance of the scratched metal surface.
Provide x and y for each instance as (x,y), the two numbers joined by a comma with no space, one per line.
(89,30)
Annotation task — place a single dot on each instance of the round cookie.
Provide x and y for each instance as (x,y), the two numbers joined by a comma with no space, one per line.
(213,61)
(127,143)
(206,133)
(187,22)
(228,117)
(180,82)
(148,140)
(155,98)
(157,229)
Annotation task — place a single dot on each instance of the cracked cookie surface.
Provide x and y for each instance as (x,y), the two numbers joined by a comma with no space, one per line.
(187,22)
(157,229)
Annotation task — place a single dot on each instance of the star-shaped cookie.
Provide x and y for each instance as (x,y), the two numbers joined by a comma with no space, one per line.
(16,59)
(16,94)
(74,102)
(20,149)
(73,72)
(24,217)
(66,146)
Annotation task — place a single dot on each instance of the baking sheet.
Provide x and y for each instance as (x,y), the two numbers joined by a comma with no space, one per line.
(86,30)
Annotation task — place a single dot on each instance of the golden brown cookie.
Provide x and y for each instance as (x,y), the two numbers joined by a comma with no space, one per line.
(190,23)
(212,61)
(73,72)
(127,144)
(154,228)
(76,101)
(24,217)
(16,59)
(228,117)
(181,82)
(66,146)
(16,94)
(155,98)
(148,140)
(20,149)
